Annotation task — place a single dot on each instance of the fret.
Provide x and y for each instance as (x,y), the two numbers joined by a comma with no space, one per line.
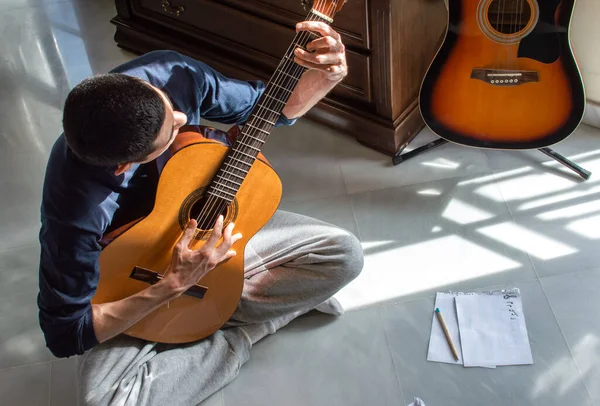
(229,180)
(271,110)
(237,151)
(265,120)
(288,75)
(256,128)
(253,137)
(281,87)
(232,174)
(228,187)
(235,167)
(239,160)
(249,146)
(274,98)
(228,198)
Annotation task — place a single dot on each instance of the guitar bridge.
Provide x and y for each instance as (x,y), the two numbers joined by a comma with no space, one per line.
(151,277)
(505,77)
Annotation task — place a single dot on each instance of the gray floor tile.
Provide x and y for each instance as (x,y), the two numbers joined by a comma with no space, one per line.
(217,399)
(557,247)
(21,339)
(553,379)
(336,210)
(21,182)
(434,235)
(575,300)
(581,147)
(365,169)
(319,360)
(558,212)
(63,382)
(25,386)
(46,51)
(305,158)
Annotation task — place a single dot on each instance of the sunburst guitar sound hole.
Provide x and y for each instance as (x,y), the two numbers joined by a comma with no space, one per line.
(507,21)
(206,209)
(509,16)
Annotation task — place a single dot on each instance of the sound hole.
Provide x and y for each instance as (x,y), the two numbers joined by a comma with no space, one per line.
(197,205)
(509,16)
(208,212)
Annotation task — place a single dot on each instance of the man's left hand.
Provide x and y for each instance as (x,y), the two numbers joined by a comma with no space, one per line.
(326,54)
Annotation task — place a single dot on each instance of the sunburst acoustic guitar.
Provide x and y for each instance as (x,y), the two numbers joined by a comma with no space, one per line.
(203,179)
(505,76)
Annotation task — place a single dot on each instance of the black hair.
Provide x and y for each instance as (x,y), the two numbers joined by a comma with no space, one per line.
(112,119)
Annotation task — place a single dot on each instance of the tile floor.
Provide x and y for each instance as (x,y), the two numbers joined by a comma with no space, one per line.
(455,218)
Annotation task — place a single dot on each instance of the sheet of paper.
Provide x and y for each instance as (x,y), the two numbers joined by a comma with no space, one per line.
(492,328)
(439,350)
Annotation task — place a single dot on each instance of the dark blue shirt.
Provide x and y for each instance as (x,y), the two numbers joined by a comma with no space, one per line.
(82,202)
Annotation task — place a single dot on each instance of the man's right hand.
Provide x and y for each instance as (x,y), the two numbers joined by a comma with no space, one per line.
(186,269)
(189,266)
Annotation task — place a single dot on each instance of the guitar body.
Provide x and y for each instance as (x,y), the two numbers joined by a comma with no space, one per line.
(505,76)
(149,243)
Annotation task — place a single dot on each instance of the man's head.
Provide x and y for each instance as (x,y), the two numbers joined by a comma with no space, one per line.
(118,120)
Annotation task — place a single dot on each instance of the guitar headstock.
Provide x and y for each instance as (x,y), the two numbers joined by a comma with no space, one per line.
(328,8)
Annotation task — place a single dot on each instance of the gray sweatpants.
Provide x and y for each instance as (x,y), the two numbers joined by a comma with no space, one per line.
(293,264)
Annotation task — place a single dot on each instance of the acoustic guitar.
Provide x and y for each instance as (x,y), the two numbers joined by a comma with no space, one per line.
(505,76)
(204,179)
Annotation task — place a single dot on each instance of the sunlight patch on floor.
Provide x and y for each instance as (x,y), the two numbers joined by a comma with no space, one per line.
(463,213)
(558,198)
(392,272)
(523,239)
(526,187)
(430,192)
(571,211)
(496,176)
(588,227)
(442,163)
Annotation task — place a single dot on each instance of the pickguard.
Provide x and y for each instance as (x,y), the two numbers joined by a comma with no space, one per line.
(543,43)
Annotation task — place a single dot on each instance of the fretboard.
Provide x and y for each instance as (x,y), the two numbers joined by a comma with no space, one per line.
(262,120)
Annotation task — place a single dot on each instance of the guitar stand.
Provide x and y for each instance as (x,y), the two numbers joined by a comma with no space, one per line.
(399,158)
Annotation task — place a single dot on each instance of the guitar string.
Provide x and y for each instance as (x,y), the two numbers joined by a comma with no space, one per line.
(497,2)
(262,108)
(288,86)
(272,116)
(522,4)
(514,29)
(209,207)
(501,29)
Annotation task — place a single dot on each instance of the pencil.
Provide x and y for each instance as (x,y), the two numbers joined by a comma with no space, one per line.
(448,338)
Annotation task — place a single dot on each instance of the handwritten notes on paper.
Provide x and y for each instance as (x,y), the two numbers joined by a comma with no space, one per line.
(488,329)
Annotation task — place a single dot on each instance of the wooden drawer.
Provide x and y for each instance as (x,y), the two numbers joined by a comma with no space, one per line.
(351,22)
(251,37)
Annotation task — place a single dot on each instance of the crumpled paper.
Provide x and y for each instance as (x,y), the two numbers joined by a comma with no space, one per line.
(417,402)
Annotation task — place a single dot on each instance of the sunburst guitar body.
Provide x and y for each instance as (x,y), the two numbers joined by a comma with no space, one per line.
(505,76)
(203,179)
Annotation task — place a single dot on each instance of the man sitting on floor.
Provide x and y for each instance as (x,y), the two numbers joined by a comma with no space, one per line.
(102,173)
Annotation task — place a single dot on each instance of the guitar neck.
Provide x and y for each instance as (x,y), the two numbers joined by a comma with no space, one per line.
(263,118)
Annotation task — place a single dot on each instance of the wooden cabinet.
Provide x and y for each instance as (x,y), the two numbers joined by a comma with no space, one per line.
(389,43)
